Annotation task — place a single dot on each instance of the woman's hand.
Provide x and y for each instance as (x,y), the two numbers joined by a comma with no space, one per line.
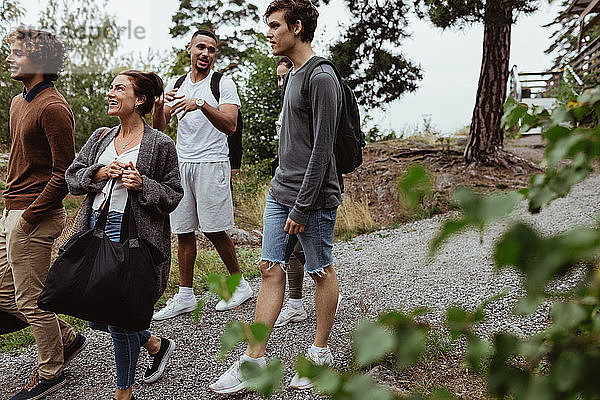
(112,170)
(131,178)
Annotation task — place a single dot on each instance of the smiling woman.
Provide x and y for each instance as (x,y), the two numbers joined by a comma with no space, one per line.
(148,187)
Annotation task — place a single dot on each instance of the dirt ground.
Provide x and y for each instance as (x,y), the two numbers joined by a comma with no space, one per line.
(385,162)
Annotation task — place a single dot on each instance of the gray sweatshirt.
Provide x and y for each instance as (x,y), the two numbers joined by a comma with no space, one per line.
(306,178)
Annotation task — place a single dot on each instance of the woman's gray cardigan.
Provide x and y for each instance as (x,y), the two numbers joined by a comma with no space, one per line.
(162,191)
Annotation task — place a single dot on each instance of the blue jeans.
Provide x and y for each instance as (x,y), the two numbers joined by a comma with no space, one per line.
(126,343)
(316,240)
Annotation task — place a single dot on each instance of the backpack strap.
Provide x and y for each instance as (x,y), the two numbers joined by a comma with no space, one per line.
(310,66)
(179,81)
(286,78)
(215,82)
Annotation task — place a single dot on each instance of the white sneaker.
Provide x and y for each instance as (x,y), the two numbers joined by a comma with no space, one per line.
(232,380)
(290,314)
(175,306)
(242,293)
(319,357)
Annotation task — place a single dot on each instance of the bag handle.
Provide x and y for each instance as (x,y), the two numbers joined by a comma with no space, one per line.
(101,223)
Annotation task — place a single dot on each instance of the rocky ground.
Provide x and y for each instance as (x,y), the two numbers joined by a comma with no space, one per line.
(379,271)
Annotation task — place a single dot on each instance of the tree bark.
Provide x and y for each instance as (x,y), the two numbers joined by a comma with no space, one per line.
(485,144)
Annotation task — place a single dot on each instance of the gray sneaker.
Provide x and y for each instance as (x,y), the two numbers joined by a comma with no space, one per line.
(290,314)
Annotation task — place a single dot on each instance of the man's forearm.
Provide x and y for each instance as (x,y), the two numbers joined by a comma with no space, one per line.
(225,122)
(158,119)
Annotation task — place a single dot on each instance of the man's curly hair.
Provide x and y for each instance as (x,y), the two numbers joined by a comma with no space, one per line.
(43,48)
(297,10)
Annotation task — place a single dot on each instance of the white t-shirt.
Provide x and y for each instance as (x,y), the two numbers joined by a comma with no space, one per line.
(197,139)
(118,200)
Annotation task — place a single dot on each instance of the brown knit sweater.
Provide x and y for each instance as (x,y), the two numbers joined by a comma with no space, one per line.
(43,147)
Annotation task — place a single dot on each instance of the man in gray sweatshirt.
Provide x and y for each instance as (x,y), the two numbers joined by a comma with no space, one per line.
(305,191)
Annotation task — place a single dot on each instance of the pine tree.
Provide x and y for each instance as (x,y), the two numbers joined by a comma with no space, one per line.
(486,136)
(367,54)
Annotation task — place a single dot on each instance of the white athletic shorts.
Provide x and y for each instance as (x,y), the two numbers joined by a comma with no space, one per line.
(206,202)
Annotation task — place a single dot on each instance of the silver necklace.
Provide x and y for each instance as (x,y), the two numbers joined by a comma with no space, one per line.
(127,144)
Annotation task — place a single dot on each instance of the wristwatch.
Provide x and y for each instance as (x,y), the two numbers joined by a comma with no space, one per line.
(199,103)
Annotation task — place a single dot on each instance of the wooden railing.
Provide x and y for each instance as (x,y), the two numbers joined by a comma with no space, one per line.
(587,63)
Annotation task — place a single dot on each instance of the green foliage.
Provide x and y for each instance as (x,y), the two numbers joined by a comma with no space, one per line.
(236,332)
(479,211)
(92,36)
(572,133)
(365,57)
(223,286)
(371,343)
(375,133)
(542,259)
(227,18)
(9,88)
(414,185)
(261,103)
(264,381)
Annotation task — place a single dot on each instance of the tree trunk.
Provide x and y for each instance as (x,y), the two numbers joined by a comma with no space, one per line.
(485,144)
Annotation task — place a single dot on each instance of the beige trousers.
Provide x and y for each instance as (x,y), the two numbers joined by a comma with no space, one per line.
(24,264)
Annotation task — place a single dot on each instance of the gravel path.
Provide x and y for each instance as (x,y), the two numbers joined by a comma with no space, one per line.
(379,271)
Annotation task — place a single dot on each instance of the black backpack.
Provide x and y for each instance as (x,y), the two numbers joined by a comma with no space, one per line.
(234,141)
(350,140)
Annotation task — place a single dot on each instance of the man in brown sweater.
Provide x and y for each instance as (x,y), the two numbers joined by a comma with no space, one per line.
(41,131)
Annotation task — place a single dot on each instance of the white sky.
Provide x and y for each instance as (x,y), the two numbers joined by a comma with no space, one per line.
(450,59)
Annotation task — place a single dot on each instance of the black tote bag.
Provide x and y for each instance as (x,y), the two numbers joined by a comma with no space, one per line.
(103,281)
(9,323)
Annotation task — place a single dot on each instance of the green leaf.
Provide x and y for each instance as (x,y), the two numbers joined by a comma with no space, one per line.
(371,342)
(477,352)
(541,259)
(223,286)
(478,211)
(448,229)
(568,369)
(324,379)
(259,333)
(414,185)
(410,345)
(567,316)
(527,306)
(199,308)
(361,387)
(231,337)
(263,380)
(457,318)
(441,394)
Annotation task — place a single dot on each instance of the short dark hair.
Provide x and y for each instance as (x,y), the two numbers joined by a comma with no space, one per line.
(297,10)
(146,84)
(284,61)
(205,32)
(42,48)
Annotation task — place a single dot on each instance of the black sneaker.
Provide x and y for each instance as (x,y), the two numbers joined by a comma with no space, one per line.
(74,348)
(157,362)
(38,388)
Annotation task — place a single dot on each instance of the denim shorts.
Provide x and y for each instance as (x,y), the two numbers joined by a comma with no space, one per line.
(316,240)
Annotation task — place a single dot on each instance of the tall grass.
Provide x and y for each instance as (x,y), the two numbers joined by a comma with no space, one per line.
(354,218)
(252,208)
